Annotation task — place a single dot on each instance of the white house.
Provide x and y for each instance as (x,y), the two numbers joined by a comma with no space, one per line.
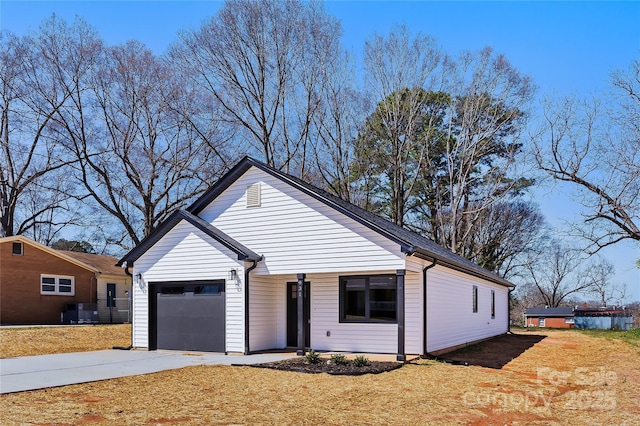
(264,261)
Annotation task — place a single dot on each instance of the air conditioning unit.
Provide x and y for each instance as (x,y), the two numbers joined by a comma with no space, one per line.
(80,313)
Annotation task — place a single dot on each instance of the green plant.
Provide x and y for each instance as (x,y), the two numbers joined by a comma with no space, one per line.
(360,361)
(338,359)
(312,357)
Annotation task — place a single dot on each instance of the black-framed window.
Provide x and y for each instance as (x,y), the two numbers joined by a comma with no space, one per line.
(371,298)
(17,249)
(475,298)
(493,303)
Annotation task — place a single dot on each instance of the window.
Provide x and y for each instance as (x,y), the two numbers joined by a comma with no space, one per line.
(16,249)
(493,304)
(111,295)
(568,320)
(475,298)
(368,298)
(540,322)
(60,285)
(208,289)
(174,290)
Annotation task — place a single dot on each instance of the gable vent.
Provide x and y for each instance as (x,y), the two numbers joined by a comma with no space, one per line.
(253,195)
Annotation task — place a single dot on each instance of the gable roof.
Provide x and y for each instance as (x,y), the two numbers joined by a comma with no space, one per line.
(549,312)
(58,253)
(410,242)
(240,250)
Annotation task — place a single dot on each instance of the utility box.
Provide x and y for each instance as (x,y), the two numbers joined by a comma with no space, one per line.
(80,313)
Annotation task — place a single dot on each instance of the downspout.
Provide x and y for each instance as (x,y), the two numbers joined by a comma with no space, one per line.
(509,310)
(424,304)
(246,304)
(125,266)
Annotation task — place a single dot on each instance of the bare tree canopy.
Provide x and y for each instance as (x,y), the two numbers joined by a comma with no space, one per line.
(597,149)
(266,64)
(34,196)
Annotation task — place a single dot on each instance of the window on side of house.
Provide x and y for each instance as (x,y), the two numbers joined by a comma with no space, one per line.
(493,303)
(475,299)
(16,249)
(368,299)
(568,320)
(541,322)
(57,285)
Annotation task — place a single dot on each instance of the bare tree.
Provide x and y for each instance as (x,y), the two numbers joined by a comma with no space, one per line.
(149,161)
(599,275)
(265,63)
(483,147)
(336,125)
(597,150)
(34,196)
(400,77)
(504,236)
(556,274)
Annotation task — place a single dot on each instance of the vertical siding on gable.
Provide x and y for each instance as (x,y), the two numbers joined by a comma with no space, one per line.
(450,317)
(295,232)
(184,254)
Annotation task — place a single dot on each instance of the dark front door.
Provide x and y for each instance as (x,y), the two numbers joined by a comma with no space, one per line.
(292,314)
(188,316)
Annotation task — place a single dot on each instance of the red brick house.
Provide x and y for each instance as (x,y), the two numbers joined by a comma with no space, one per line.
(38,282)
(562,317)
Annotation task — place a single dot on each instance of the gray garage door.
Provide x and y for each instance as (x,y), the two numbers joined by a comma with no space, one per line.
(188,316)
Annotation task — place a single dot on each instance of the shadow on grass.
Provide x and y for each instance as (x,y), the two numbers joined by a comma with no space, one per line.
(493,353)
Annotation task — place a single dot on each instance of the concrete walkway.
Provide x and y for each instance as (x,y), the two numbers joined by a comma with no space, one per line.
(45,371)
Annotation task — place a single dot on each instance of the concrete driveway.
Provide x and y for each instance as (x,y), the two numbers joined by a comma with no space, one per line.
(45,371)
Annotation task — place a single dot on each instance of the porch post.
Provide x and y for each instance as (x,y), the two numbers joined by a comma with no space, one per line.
(400,273)
(301,325)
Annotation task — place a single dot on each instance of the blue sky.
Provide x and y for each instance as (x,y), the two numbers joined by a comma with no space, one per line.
(566,47)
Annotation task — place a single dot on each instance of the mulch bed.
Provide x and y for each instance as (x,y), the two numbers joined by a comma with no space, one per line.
(301,365)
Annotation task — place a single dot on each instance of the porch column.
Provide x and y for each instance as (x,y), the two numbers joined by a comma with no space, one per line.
(301,325)
(400,273)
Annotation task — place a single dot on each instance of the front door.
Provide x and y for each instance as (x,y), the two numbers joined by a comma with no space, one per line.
(292,314)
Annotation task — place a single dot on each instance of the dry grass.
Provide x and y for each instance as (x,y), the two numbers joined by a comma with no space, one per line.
(31,341)
(567,378)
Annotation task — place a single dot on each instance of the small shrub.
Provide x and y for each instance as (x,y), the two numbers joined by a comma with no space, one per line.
(338,359)
(360,361)
(312,357)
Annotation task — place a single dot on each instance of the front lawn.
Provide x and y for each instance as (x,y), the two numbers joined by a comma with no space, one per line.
(31,341)
(566,377)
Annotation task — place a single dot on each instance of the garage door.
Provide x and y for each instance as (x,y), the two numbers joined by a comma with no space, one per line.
(189,316)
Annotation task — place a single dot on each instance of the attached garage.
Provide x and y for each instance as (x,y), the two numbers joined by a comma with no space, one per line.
(189,316)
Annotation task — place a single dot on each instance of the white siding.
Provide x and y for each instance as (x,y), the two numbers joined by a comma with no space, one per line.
(185,253)
(119,313)
(263,315)
(450,317)
(295,232)
(348,337)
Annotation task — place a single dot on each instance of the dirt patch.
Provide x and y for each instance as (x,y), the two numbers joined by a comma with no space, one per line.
(496,352)
(301,365)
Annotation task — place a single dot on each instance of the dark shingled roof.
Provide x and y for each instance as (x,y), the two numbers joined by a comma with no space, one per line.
(243,252)
(410,242)
(549,312)
(104,264)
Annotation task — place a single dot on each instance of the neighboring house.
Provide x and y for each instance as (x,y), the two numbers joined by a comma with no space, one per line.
(38,283)
(113,287)
(604,318)
(549,317)
(264,261)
